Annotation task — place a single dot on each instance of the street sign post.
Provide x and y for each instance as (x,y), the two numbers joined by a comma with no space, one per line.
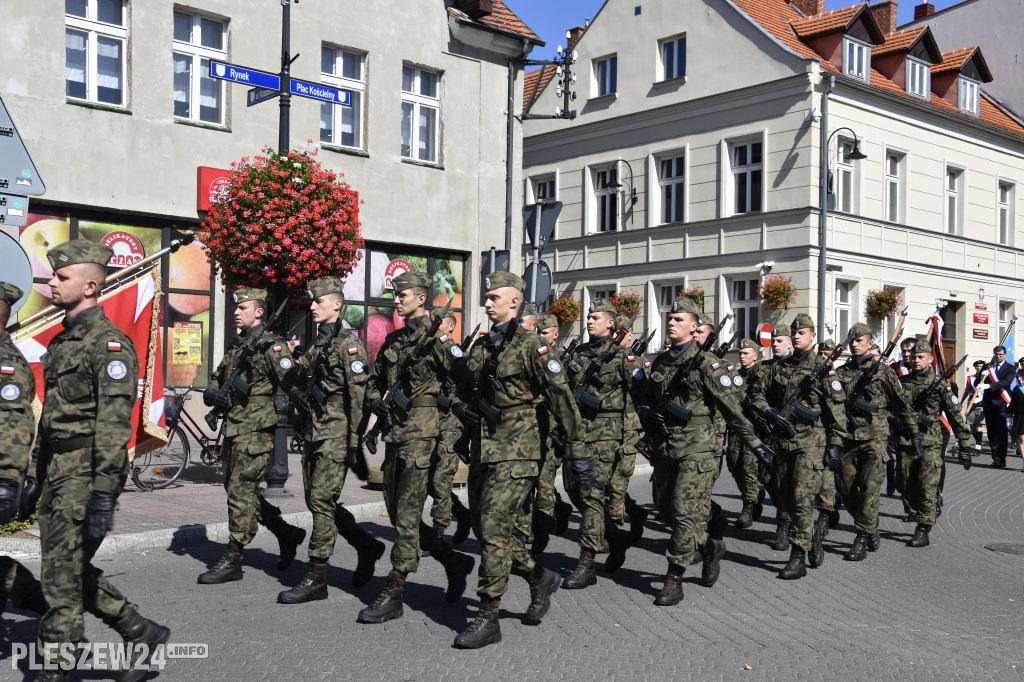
(548,216)
(764,335)
(257,95)
(17,171)
(245,75)
(321,92)
(538,278)
(492,261)
(13,210)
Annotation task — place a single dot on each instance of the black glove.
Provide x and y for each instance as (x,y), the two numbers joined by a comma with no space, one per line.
(466,415)
(654,422)
(965,456)
(298,399)
(764,455)
(780,422)
(29,498)
(8,495)
(379,408)
(356,461)
(99,515)
(833,457)
(219,399)
(583,472)
(918,442)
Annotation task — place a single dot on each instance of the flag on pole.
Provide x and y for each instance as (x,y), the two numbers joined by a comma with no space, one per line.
(935,341)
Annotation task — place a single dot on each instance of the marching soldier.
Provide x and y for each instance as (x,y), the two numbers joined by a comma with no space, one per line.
(528,320)
(682,387)
(827,501)
(265,363)
(511,367)
(741,461)
(91,371)
(446,502)
(333,375)
(416,365)
(782,347)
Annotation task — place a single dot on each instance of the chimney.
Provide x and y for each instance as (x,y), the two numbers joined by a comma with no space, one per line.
(885,16)
(575,33)
(809,7)
(925,9)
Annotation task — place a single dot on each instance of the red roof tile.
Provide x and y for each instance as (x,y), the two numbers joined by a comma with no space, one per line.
(954,60)
(826,22)
(504,19)
(530,82)
(898,41)
(775,16)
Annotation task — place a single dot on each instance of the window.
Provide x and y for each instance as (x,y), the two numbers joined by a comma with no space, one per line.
(673,58)
(1005,315)
(197,40)
(954,200)
(606,294)
(607,198)
(846,294)
(856,59)
(845,183)
(667,293)
(746,307)
(1005,201)
(95,39)
(421,107)
(605,76)
(968,96)
(895,190)
(342,124)
(747,172)
(543,188)
(919,78)
(672,189)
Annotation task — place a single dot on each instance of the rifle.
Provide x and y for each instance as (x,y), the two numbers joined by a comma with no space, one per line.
(571,349)
(855,401)
(592,374)
(315,397)
(642,349)
(724,348)
(394,395)
(234,379)
(978,384)
(468,342)
(924,398)
(640,342)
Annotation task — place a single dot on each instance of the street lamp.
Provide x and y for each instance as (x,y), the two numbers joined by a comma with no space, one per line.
(616,185)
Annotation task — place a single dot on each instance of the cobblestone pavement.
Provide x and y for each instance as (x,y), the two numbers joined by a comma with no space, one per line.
(948,611)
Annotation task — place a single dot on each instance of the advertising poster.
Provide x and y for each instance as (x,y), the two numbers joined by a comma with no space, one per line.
(42,232)
(187,343)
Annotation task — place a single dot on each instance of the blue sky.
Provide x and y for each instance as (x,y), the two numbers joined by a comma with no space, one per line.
(550,18)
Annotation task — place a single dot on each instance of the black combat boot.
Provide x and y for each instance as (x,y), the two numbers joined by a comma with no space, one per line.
(890,478)
(289,538)
(822,520)
(816,556)
(368,548)
(874,542)
(758,506)
(618,543)
(310,588)
(637,519)
(859,550)
(746,519)
(388,604)
(463,521)
(797,567)
(920,538)
(584,574)
(781,541)
(457,567)
(543,524)
(484,629)
(144,635)
(911,517)
(543,584)
(227,568)
(711,555)
(672,592)
(562,512)
(53,676)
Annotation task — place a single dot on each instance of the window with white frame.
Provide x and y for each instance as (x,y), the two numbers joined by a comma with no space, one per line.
(954,200)
(605,76)
(843,312)
(672,189)
(856,59)
(606,197)
(919,78)
(968,93)
(1005,315)
(667,294)
(888,324)
(747,175)
(605,294)
(543,188)
(95,45)
(846,185)
(197,41)
(895,186)
(673,58)
(746,306)
(342,124)
(1005,201)
(421,113)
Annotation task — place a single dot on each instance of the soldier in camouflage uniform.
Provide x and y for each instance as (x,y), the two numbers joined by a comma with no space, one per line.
(249,434)
(862,469)
(740,460)
(529,319)
(333,375)
(17,429)
(782,347)
(506,454)
(919,476)
(446,502)
(827,501)
(681,387)
(91,371)
(410,442)
(819,426)
(602,406)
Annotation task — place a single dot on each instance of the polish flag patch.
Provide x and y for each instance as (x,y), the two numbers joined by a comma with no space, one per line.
(6,370)
(276,349)
(113,345)
(353,350)
(647,364)
(444,338)
(630,358)
(715,366)
(831,372)
(542,350)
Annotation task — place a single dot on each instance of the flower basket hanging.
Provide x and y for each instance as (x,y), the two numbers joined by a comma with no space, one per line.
(777,292)
(695,294)
(566,308)
(626,302)
(882,303)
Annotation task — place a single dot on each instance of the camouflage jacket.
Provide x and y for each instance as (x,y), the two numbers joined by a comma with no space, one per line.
(527,368)
(744,379)
(826,423)
(882,397)
(603,406)
(631,427)
(930,408)
(422,389)
(17,425)
(690,414)
(343,370)
(272,365)
(91,374)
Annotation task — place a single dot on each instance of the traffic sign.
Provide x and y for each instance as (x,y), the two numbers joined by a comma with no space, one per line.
(17,171)
(13,210)
(502,261)
(764,335)
(548,216)
(257,95)
(16,266)
(322,92)
(540,293)
(242,74)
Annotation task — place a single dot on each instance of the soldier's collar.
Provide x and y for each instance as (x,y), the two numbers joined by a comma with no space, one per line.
(799,355)
(252,331)
(676,351)
(82,317)
(498,330)
(415,323)
(598,341)
(326,329)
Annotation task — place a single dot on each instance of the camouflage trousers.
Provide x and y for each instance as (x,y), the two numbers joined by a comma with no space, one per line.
(918,480)
(323,478)
(744,468)
(19,585)
(71,584)
(592,504)
(442,478)
(547,494)
(798,480)
(859,480)
(245,462)
(407,474)
(617,500)
(497,499)
(682,494)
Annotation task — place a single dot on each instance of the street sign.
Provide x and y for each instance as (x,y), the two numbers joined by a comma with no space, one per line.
(321,92)
(764,335)
(548,216)
(980,318)
(257,95)
(502,261)
(17,171)
(981,334)
(16,267)
(241,74)
(13,210)
(543,288)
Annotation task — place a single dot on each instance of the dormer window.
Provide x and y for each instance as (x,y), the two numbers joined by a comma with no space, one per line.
(919,78)
(968,94)
(856,59)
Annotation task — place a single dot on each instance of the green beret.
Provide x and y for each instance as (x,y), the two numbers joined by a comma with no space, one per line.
(860,329)
(684,304)
(249,294)
(326,285)
(751,344)
(602,305)
(529,309)
(704,320)
(921,346)
(780,330)
(80,251)
(621,321)
(408,280)
(802,321)
(10,294)
(547,321)
(503,278)
(827,344)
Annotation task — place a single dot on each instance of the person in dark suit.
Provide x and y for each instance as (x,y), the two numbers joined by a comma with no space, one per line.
(1000,377)
(1017,409)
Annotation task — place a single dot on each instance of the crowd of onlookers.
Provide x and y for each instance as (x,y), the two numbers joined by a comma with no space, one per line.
(998,409)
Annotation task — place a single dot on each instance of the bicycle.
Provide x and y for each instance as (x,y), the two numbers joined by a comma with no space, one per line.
(160,468)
